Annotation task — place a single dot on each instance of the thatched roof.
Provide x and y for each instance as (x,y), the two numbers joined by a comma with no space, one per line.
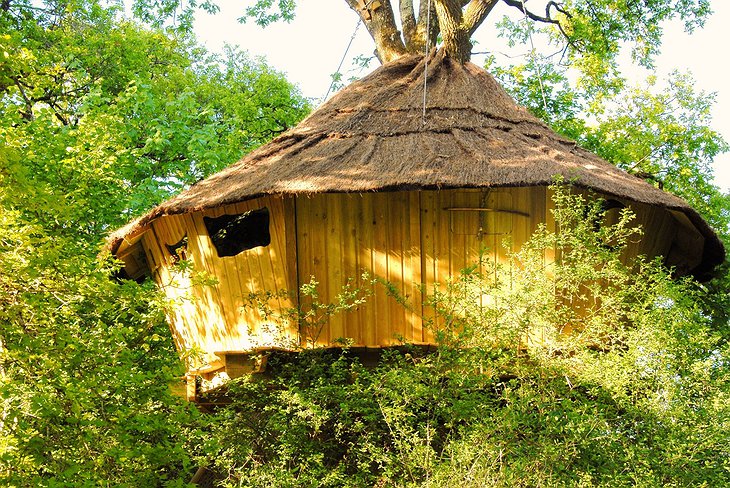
(371,136)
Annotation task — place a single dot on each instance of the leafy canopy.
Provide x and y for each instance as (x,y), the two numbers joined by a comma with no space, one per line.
(101,118)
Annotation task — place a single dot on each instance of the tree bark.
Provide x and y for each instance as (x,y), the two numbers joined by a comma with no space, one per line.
(410,28)
(428,24)
(457,26)
(380,22)
(456,20)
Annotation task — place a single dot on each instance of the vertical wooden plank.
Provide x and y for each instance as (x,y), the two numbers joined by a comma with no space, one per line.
(351,269)
(381,229)
(303,251)
(179,286)
(284,258)
(264,271)
(413,276)
(429,254)
(245,275)
(277,248)
(193,309)
(212,325)
(148,245)
(504,222)
(367,259)
(207,296)
(231,336)
(658,231)
(274,252)
(311,249)
(459,225)
(392,205)
(443,238)
(335,280)
(290,239)
(320,262)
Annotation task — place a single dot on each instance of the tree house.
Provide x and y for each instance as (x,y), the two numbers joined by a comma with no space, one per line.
(371,182)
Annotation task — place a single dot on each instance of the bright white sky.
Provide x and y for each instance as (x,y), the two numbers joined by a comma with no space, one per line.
(309,49)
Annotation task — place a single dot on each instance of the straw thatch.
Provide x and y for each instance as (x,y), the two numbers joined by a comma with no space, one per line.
(373,136)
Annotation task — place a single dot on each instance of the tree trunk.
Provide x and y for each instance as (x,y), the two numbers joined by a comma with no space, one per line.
(456,39)
(456,20)
(457,25)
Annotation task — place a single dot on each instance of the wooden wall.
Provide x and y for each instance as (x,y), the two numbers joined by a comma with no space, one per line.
(410,239)
(342,236)
(211,317)
(414,240)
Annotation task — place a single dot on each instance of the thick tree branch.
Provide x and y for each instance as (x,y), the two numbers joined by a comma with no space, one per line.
(476,12)
(28,114)
(428,22)
(455,36)
(380,22)
(458,25)
(547,19)
(408,21)
(519,5)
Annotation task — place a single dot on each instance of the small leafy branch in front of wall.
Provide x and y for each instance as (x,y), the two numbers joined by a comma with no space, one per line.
(183,275)
(312,314)
(561,292)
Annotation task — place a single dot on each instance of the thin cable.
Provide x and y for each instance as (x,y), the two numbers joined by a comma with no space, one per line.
(532,46)
(425,60)
(349,44)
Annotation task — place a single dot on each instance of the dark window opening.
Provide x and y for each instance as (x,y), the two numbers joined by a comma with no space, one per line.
(179,250)
(233,234)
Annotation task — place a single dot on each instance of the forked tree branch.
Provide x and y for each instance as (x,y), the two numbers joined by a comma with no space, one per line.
(547,18)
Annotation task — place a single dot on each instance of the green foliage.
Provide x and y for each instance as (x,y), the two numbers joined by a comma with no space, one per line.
(101,118)
(601,375)
(591,34)
(312,314)
(135,127)
(264,12)
(85,368)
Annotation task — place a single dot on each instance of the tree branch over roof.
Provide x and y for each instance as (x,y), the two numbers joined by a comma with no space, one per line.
(548,19)
(476,12)
(380,22)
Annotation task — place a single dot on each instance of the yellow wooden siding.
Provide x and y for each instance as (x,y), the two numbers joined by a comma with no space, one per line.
(341,236)
(410,239)
(459,226)
(182,311)
(210,317)
(254,272)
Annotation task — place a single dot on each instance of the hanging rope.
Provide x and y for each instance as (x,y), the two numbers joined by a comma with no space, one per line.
(532,53)
(425,60)
(339,67)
